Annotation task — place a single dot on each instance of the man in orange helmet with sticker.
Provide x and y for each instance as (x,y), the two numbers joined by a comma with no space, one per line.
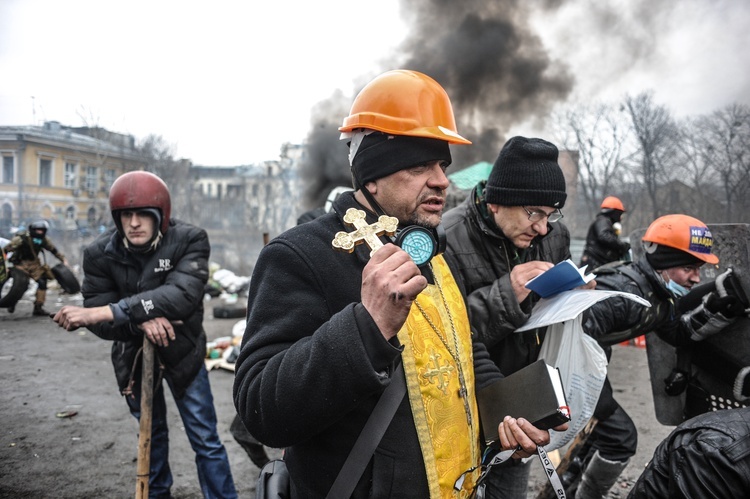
(675,249)
(329,331)
(603,243)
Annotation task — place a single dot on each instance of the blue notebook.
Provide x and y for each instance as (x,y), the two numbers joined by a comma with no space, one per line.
(562,277)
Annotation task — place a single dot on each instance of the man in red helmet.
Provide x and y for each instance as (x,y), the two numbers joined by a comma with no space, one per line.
(147,277)
(603,243)
(675,249)
(328,331)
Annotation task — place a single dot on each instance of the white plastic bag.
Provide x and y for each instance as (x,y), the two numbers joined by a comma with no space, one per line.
(582,362)
(583,368)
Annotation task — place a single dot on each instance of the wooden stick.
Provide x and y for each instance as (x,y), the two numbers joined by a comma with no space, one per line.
(144,436)
(573,449)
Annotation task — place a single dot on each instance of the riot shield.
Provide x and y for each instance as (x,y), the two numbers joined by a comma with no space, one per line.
(713,364)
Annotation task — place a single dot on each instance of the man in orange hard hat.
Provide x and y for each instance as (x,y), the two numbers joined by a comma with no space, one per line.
(603,243)
(328,332)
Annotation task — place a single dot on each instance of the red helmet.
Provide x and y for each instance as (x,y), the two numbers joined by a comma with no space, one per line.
(612,203)
(140,190)
(683,233)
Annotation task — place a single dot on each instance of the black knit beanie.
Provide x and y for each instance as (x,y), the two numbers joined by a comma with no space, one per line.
(154,212)
(665,257)
(526,173)
(380,155)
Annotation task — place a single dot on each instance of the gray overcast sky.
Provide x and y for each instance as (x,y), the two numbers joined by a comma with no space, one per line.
(227,82)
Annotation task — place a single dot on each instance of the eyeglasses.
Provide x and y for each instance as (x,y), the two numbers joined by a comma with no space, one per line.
(538,216)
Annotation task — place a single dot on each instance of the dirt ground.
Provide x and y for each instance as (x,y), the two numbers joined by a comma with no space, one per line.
(45,370)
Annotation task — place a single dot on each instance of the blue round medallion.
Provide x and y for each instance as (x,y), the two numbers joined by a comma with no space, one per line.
(420,245)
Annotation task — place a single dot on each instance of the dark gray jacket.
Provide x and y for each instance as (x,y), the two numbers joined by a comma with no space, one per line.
(167,282)
(482,257)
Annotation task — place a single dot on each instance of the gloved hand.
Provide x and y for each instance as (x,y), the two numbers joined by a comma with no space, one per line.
(706,320)
(676,382)
(728,306)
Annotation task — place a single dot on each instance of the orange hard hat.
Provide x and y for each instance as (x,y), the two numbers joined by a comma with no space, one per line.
(404,102)
(683,233)
(612,203)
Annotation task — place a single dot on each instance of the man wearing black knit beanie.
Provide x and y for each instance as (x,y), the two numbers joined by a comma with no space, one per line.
(504,234)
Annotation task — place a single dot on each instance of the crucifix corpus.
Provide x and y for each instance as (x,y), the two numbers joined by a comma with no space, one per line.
(369,234)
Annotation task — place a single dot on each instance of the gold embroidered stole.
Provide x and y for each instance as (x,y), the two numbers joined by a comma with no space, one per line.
(449,445)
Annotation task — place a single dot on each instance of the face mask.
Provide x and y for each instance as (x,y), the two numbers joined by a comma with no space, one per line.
(676,289)
(37,241)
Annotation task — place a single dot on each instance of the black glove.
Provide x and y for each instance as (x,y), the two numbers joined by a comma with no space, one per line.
(625,247)
(676,382)
(728,306)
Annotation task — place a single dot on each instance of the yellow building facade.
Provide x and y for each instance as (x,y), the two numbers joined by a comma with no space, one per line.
(60,174)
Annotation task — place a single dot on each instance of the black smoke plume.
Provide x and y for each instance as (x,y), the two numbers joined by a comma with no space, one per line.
(486,56)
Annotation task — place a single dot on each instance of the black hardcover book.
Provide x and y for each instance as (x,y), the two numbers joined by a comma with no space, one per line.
(534,393)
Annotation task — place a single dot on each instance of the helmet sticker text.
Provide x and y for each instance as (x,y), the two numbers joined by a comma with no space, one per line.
(701,240)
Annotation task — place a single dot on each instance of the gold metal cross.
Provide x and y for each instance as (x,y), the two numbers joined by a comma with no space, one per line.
(346,241)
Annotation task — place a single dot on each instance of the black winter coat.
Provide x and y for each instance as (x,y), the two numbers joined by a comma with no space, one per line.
(618,319)
(482,258)
(313,365)
(167,282)
(707,456)
(602,243)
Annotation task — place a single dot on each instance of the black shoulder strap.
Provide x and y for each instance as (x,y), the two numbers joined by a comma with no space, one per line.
(370,436)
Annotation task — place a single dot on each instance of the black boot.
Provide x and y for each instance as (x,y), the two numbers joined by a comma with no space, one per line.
(39,310)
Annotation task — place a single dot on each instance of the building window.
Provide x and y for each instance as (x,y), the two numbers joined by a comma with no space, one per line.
(45,172)
(109,177)
(8,170)
(71,175)
(92,178)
